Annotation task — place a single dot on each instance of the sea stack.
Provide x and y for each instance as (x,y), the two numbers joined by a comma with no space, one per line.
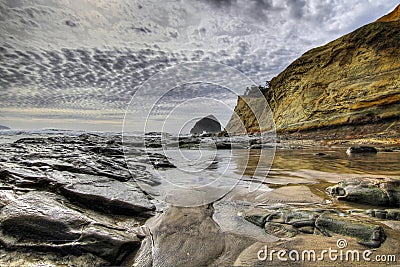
(208,124)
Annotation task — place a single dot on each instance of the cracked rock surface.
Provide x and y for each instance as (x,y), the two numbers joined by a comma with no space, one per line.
(71,196)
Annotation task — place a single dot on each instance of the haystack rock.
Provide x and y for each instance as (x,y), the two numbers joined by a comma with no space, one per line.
(351,81)
(208,124)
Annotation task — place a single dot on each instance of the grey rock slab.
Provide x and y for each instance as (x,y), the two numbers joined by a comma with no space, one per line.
(378,192)
(107,195)
(41,220)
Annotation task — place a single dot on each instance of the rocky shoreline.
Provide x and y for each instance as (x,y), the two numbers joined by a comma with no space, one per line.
(74,200)
(70,196)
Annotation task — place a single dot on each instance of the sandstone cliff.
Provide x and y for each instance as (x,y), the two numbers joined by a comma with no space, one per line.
(392,16)
(353,80)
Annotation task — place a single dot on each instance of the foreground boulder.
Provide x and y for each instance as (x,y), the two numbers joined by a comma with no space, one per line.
(39,220)
(286,222)
(380,192)
(370,235)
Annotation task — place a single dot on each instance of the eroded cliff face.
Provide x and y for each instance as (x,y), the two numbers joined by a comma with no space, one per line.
(392,16)
(250,116)
(352,80)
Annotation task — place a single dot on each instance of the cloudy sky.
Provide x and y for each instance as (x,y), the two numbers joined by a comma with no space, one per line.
(77,64)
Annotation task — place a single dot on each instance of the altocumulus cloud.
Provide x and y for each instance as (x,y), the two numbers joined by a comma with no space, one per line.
(81,61)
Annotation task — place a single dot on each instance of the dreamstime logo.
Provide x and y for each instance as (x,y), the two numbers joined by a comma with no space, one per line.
(163,109)
(341,243)
(330,254)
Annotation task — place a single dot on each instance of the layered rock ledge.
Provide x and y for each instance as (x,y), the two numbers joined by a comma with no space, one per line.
(72,198)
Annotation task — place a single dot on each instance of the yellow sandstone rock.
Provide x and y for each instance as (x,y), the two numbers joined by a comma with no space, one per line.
(352,80)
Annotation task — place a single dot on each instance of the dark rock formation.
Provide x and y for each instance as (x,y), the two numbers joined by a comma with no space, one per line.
(378,192)
(361,150)
(386,214)
(189,142)
(289,222)
(2,127)
(371,235)
(160,161)
(350,81)
(208,124)
(68,195)
(41,220)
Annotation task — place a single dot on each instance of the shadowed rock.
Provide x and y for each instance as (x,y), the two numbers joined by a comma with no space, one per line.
(379,192)
(386,214)
(74,195)
(370,235)
(207,124)
(361,150)
(40,220)
(289,222)
(107,195)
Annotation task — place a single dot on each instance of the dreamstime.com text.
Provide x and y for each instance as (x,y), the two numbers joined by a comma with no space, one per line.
(331,254)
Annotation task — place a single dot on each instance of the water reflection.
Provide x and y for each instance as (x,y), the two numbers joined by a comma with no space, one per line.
(315,166)
(337,161)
